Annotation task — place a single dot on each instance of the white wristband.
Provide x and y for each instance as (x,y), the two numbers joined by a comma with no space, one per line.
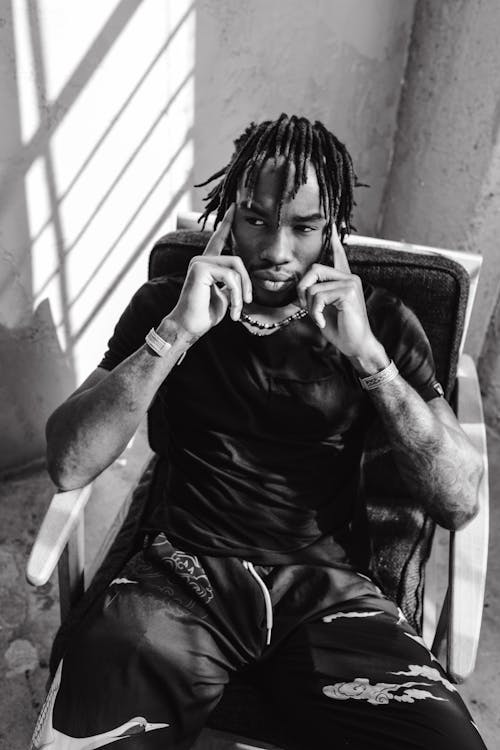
(380,378)
(159,345)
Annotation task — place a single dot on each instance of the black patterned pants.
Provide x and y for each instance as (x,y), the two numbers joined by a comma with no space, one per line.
(340,665)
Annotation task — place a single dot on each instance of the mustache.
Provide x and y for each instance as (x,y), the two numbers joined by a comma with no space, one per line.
(271,270)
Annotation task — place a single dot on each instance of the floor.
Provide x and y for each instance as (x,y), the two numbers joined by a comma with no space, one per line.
(29,616)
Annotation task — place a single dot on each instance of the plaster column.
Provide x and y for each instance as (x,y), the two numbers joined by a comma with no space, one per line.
(444,183)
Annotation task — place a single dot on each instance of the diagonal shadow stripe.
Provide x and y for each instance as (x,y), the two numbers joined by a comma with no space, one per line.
(90,156)
(117,179)
(123,272)
(54,113)
(103,260)
(46,155)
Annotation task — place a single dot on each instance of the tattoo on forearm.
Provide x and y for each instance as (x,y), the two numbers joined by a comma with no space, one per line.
(437,465)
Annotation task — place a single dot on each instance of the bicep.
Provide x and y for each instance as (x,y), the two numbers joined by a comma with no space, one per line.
(401,333)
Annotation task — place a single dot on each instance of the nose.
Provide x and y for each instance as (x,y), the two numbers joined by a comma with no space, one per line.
(279,247)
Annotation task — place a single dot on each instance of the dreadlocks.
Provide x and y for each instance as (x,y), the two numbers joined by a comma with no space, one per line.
(300,143)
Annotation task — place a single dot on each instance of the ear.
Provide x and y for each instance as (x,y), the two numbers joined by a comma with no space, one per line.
(342,232)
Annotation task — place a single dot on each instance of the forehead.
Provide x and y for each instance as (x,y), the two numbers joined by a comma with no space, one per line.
(269,188)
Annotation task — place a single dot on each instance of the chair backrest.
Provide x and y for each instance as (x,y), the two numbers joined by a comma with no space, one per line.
(436,289)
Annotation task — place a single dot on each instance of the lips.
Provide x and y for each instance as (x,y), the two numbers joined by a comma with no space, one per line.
(273,282)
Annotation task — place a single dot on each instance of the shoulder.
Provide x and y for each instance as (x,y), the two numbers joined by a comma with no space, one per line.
(379,300)
(399,330)
(388,314)
(151,302)
(158,294)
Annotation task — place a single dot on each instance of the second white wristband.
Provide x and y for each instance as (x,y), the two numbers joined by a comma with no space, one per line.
(380,378)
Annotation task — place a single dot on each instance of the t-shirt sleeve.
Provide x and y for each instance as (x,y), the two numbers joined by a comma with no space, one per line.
(147,308)
(405,341)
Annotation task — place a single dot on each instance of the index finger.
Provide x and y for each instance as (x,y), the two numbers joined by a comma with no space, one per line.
(340,261)
(217,241)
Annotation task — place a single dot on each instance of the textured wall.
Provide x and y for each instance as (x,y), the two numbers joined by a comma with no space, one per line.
(489,371)
(34,370)
(15,267)
(34,374)
(96,155)
(340,61)
(444,187)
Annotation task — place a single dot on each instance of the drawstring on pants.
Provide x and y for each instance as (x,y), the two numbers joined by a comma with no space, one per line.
(267,598)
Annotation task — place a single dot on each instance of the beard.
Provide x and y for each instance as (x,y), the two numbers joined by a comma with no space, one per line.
(265,298)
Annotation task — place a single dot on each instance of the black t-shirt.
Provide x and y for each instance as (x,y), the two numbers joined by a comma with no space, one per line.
(264,434)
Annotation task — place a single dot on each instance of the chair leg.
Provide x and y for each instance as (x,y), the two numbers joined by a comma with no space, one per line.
(440,638)
(70,570)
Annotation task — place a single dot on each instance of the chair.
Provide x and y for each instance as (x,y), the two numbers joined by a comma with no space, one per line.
(439,285)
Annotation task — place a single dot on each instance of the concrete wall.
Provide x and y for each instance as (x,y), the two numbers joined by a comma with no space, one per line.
(96,157)
(341,61)
(444,186)
(108,109)
(489,371)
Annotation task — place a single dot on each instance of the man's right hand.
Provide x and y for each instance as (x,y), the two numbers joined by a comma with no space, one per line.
(213,283)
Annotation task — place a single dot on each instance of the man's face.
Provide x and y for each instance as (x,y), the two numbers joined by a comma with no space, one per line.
(277,257)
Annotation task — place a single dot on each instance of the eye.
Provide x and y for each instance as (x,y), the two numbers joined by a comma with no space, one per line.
(304,228)
(254,222)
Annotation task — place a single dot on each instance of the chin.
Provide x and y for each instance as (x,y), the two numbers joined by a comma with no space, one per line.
(274,299)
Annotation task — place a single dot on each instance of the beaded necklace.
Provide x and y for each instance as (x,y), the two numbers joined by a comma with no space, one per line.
(271,326)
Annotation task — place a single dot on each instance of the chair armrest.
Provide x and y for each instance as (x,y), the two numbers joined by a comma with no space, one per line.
(61,519)
(469,546)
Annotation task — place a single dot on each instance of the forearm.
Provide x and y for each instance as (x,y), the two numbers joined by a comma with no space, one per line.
(436,460)
(90,430)
(95,424)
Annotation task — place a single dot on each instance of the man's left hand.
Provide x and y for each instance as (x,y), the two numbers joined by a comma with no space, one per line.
(335,301)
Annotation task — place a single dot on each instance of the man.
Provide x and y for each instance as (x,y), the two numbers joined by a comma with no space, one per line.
(284,362)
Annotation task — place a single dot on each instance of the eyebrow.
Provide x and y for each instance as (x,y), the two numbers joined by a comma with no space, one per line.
(310,217)
(256,209)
